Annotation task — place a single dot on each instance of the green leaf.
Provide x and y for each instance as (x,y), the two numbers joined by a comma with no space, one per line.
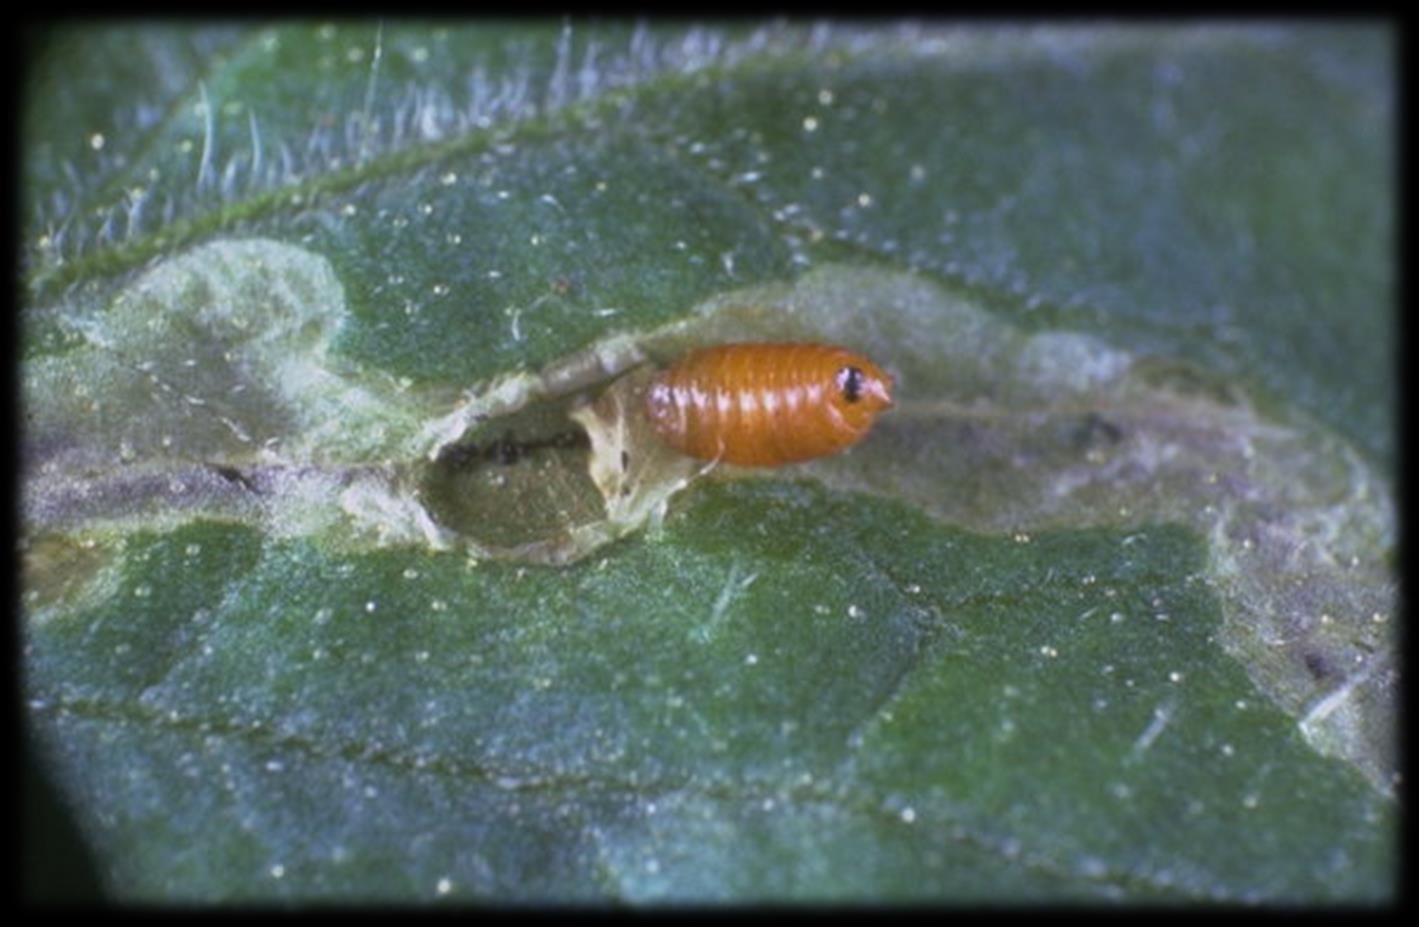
(352,571)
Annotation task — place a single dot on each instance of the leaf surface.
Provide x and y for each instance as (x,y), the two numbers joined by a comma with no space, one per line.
(1102,610)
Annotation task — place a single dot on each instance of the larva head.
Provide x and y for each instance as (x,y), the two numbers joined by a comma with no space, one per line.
(861,389)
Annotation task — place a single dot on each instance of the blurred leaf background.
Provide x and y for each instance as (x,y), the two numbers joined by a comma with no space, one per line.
(1104,611)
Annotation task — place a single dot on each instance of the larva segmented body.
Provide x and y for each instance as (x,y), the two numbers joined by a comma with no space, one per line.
(763,405)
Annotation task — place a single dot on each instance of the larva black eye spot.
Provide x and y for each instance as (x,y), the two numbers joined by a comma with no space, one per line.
(850,382)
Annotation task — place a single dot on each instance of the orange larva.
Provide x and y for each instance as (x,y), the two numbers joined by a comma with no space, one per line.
(762,405)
